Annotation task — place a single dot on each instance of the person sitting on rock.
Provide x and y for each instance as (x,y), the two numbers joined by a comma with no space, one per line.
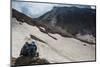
(32,49)
(29,49)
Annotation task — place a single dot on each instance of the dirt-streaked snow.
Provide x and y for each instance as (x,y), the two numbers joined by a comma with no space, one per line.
(55,51)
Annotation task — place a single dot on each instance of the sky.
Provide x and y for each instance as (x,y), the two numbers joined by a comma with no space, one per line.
(35,10)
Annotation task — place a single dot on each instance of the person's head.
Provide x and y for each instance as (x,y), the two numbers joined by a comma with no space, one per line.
(33,42)
(26,42)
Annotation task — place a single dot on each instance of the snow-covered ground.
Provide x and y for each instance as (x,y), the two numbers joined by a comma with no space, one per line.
(55,51)
(86,37)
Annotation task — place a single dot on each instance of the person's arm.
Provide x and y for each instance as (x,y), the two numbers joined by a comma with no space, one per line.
(35,48)
(23,49)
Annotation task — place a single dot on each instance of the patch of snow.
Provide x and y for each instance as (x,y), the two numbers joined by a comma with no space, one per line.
(55,51)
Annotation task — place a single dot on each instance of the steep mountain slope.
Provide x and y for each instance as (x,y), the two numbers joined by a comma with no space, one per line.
(72,20)
(53,47)
(51,28)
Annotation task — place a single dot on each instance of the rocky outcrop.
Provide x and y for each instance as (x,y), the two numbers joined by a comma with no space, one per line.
(24,61)
(72,19)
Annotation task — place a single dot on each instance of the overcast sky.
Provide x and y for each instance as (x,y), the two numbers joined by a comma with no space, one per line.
(32,9)
(35,10)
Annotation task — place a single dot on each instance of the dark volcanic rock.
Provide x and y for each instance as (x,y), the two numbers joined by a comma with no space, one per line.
(25,60)
(72,19)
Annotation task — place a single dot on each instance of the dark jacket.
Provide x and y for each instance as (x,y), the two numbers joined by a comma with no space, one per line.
(29,50)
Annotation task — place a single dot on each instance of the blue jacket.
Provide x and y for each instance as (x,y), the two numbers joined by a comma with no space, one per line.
(29,50)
